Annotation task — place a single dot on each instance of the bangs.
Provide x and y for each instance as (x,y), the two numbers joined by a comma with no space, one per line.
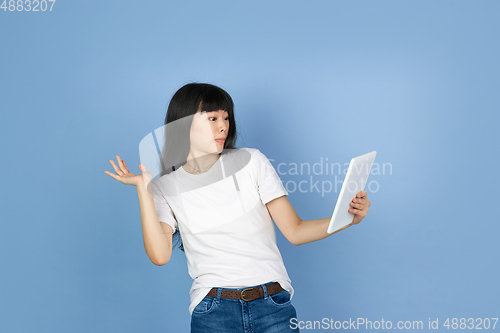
(213,100)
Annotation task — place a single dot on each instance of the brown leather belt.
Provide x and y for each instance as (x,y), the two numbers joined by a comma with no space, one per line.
(248,294)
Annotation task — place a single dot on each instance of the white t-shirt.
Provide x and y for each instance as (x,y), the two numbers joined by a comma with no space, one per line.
(227,232)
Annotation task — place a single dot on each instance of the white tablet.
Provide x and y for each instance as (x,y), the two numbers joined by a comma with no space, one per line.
(354,182)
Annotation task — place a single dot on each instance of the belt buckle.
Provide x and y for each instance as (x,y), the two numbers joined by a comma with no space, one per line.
(242,297)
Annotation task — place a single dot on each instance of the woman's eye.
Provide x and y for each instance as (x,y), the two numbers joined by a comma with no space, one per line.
(227,118)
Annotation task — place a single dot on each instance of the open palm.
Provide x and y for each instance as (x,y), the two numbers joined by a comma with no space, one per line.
(126,177)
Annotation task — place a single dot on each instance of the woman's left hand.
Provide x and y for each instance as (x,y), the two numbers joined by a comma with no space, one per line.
(359,206)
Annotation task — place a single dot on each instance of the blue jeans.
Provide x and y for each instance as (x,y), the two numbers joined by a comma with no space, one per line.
(271,314)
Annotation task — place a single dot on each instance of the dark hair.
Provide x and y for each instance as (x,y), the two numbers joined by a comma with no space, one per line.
(189,99)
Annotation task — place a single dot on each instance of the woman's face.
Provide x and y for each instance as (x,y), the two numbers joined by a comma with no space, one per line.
(206,128)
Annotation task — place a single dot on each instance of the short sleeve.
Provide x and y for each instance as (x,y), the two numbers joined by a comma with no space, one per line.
(163,209)
(269,184)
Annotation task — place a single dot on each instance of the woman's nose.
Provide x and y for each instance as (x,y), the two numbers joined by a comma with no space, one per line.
(222,125)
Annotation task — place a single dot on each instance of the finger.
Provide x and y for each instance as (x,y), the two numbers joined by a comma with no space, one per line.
(117,170)
(361,194)
(361,201)
(359,212)
(360,206)
(125,166)
(120,163)
(112,175)
(357,205)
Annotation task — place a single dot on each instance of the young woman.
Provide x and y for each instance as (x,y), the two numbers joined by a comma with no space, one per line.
(220,201)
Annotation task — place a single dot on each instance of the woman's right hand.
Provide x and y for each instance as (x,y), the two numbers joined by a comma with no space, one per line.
(126,177)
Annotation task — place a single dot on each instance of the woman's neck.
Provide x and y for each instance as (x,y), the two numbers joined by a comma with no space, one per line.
(200,164)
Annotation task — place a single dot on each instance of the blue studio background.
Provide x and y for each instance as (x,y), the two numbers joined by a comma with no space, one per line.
(417,81)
